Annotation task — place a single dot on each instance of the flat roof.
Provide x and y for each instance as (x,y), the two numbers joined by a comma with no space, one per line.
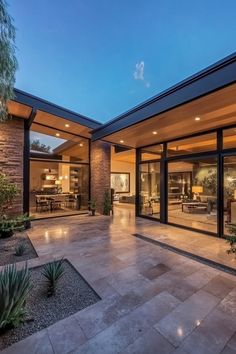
(213,78)
(39,104)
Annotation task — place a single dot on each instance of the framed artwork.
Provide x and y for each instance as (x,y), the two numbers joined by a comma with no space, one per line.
(120,182)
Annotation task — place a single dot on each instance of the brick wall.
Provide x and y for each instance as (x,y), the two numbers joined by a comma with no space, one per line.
(11,156)
(100,171)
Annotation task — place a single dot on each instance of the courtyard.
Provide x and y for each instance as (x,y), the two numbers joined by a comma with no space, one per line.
(153,300)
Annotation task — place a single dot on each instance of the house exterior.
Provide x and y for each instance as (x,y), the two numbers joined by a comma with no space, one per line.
(184,141)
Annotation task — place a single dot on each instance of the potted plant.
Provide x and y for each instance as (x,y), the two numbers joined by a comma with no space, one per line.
(92,207)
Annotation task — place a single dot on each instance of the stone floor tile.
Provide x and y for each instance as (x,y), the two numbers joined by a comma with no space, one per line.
(126,330)
(187,316)
(219,286)
(175,285)
(228,350)
(66,335)
(232,342)
(150,343)
(156,271)
(38,343)
(200,278)
(228,304)
(102,288)
(101,315)
(212,335)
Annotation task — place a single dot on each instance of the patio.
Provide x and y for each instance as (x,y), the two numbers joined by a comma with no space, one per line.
(153,300)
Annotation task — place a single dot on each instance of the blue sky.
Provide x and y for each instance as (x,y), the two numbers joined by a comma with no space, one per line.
(102,57)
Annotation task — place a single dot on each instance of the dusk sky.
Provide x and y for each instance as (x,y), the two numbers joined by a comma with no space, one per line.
(102,57)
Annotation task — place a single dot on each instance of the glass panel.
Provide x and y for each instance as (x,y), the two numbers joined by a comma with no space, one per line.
(229,138)
(149,181)
(152,152)
(58,145)
(202,143)
(58,188)
(229,192)
(192,193)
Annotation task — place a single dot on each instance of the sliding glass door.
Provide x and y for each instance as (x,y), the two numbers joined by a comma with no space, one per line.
(192,193)
(149,195)
(229,192)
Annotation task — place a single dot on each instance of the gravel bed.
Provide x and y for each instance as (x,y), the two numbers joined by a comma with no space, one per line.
(73,294)
(7,249)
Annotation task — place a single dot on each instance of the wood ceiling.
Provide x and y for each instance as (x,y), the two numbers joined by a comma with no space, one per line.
(60,124)
(124,156)
(215,110)
(23,111)
(18,109)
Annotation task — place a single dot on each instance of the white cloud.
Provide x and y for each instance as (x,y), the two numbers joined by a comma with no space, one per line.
(139,71)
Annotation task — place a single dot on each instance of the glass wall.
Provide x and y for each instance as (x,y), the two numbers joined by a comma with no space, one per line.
(59,172)
(193,145)
(149,196)
(229,192)
(192,193)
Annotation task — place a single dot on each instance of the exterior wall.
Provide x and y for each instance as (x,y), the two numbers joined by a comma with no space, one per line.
(100,160)
(11,156)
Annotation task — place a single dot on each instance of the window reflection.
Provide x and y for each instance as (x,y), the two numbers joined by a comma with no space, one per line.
(192,193)
(150,189)
(229,192)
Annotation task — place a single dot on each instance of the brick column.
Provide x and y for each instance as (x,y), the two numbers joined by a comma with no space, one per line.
(11,157)
(100,171)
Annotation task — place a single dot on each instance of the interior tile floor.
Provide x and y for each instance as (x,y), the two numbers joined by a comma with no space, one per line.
(153,300)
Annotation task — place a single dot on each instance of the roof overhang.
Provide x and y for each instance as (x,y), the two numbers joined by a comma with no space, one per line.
(200,94)
(37,110)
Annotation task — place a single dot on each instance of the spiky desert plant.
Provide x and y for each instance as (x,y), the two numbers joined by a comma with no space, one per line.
(8,61)
(53,272)
(14,288)
(20,249)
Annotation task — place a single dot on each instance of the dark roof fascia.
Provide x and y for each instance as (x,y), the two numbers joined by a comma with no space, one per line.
(214,77)
(39,104)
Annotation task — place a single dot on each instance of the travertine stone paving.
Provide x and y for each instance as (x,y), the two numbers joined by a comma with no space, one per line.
(153,300)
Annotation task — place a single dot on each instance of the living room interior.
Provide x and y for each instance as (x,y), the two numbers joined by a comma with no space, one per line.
(123,183)
(59,172)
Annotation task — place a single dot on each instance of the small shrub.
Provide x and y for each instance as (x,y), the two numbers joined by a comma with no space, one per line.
(20,249)
(8,225)
(8,192)
(231,239)
(92,206)
(14,288)
(53,272)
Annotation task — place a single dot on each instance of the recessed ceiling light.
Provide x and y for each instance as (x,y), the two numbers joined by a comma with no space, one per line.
(197,118)
(81,144)
(154,133)
(57,134)
(67,125)
(121,141)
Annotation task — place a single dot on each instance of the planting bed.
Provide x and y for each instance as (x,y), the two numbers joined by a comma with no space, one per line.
(73,294)
(7,249)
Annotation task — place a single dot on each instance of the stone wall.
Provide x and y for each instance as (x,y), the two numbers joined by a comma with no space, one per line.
(11,156)
(100,171)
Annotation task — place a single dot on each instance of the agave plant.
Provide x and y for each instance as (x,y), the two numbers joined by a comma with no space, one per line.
(20,250)
(53,271)
(14,288)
